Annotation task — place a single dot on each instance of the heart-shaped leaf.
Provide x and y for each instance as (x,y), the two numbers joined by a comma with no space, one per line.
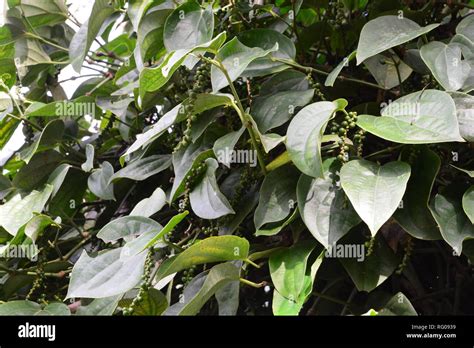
(375,191)
(385,32)
(105,275)
(422,117)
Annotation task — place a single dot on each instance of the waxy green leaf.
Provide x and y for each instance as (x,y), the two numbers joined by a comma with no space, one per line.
(423,117)
(375,191)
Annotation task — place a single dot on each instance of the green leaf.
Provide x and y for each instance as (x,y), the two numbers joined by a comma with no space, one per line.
(99,181)
(143,168)
(287,80)
(454,225)
(224,146)
(29,52)
(70,108)
(152,79)
(127,227)
(25,307)
(197,293)
(83,38)
(465,112)
(88,165)
(284,306)
(151,205)
(209,250)
(18,211)
(384,70)
(207,201)
(466,28)
(70,185)
(375,191)
(36,172)
(153,303)
(184,161)
(446,64)
(136,10)
(414,216)
(155,131)
(150,32)
(270,111)
(304,137)
(174,221)
(227,296)
(423,117)
(332,77)
(7,128)
(277,196)
(50,136)
(100,306)
(385,32)
(275,228)
(202,103)
(288,268)
(235,57)
(468,203)
(105,275)
(324,207)
(368,272)
(398,305)
(266,40)
(188,26)
(413,58)
(41,13)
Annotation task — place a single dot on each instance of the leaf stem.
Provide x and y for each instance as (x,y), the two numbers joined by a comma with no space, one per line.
(386,150)
(250,262)
(309,69)
(252,284)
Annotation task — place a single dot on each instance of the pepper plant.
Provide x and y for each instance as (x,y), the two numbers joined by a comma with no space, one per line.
(237,157)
